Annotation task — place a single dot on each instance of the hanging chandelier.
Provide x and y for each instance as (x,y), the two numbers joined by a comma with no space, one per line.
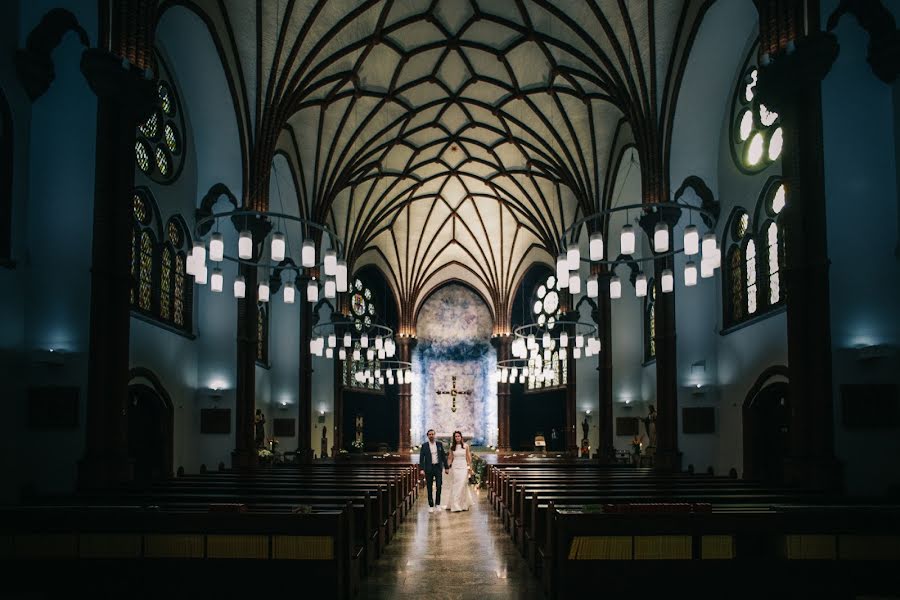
(535,343)
(373,351)
(657,222)
(271,252)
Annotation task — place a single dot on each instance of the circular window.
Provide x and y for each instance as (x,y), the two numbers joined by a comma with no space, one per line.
(757,139)
(158,150)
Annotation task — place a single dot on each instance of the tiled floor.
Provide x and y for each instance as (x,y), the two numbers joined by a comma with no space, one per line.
(451,555)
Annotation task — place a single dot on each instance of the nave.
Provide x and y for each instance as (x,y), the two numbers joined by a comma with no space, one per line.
(451,555)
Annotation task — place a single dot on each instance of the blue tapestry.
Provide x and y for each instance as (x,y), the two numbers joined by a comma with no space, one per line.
(454,331)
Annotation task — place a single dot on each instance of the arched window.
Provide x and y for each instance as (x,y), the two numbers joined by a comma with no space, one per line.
(650,323)
(160,289)
(6,171)
(363,311)
(547,309)
(159,146)
(753,285)
(756,134)
(262,333)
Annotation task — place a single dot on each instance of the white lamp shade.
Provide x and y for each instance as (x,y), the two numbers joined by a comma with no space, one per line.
(390,347)
(691,240)
(709,244)
(312,346)
(409,376)
(330,288)
(330,263)
(216,247)
(575,284)
(690,274)
(667,281)
(513,373)
(201,275)
(216,281)
(240,287)
(563,354)
(379,342)
(573,257)
(562,268)
(312,291)
(340,276)
(615,287)
(263,292)
(290,293)
(596,246)
(661,237)
(626,240)
(332,340)
(593,287)
(245,245)
(576,352)
(308,254)
(329,353)
(545,339)
(364,340)
(579,341)
(706,268)
(199,253)
(522,378)
(348,340)
(190,265)
(356,354)
(342,354)
(381,354)
(640,286)
(716,258)
(563,339)
(278,246)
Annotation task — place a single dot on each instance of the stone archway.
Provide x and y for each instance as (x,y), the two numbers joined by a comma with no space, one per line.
(766,426)
(151,424)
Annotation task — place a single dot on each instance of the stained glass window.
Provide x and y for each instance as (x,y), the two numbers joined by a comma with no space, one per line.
(650,323)
(363,310)
(262,333)
(165,285)
(158,148)
(736,279)
(146,271)
(751,276)
(547,311)
(757,138)
(181,292)
(773,266)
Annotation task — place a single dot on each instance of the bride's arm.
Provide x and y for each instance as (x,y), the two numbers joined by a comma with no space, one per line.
(468,457)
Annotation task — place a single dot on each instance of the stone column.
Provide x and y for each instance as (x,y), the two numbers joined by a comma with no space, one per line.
(602,316)
(405,347)
(503,344)
(125,97)
(666,457)
(791,85)
(305,374)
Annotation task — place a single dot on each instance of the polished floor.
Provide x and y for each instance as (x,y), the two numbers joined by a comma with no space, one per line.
(451,555)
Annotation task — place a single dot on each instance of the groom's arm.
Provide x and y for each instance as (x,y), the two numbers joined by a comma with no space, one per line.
(446,466)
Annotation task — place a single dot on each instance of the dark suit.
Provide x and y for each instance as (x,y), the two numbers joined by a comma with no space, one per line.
(433,472)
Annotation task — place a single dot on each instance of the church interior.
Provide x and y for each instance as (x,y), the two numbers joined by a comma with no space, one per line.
(251,253)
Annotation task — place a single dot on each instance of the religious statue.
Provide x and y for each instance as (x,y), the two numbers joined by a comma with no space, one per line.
(650,428)
(259,427)
(324,453)
(359,430)
(585,427)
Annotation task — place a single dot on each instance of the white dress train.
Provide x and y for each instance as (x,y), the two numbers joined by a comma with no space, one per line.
(460,494)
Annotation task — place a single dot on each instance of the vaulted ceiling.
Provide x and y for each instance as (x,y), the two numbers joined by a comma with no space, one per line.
(451,139)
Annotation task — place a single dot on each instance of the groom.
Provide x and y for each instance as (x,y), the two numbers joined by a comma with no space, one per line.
(432,459)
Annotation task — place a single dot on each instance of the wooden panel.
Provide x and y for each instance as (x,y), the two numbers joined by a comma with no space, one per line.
(64,545)
(303,547)
(173,546)
(810,547)
(717,547)
(600,547)
(869,547)
(215,420)
(237,546)
(627,425)
(662,547)
(107,545)
(284,427)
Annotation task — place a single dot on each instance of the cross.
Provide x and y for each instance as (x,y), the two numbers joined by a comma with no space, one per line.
(454,393)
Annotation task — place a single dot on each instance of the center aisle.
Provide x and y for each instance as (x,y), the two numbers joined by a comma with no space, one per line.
(451,555)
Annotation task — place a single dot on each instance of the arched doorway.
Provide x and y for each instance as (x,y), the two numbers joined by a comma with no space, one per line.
(766,421)
(151,418)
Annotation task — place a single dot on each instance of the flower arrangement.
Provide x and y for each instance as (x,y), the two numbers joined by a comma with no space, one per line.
(479,466)
(264,454)
(357,445)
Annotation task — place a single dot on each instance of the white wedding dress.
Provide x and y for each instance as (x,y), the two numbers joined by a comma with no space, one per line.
(460,494)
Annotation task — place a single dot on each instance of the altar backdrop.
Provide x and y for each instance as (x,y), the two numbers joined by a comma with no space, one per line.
(454,338)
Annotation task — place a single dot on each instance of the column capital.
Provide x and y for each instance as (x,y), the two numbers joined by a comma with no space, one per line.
(115,79)
(803,65)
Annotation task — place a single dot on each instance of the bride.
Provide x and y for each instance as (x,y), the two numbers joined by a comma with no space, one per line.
(460,461)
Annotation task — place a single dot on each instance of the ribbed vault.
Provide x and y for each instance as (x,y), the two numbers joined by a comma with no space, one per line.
(451,139)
